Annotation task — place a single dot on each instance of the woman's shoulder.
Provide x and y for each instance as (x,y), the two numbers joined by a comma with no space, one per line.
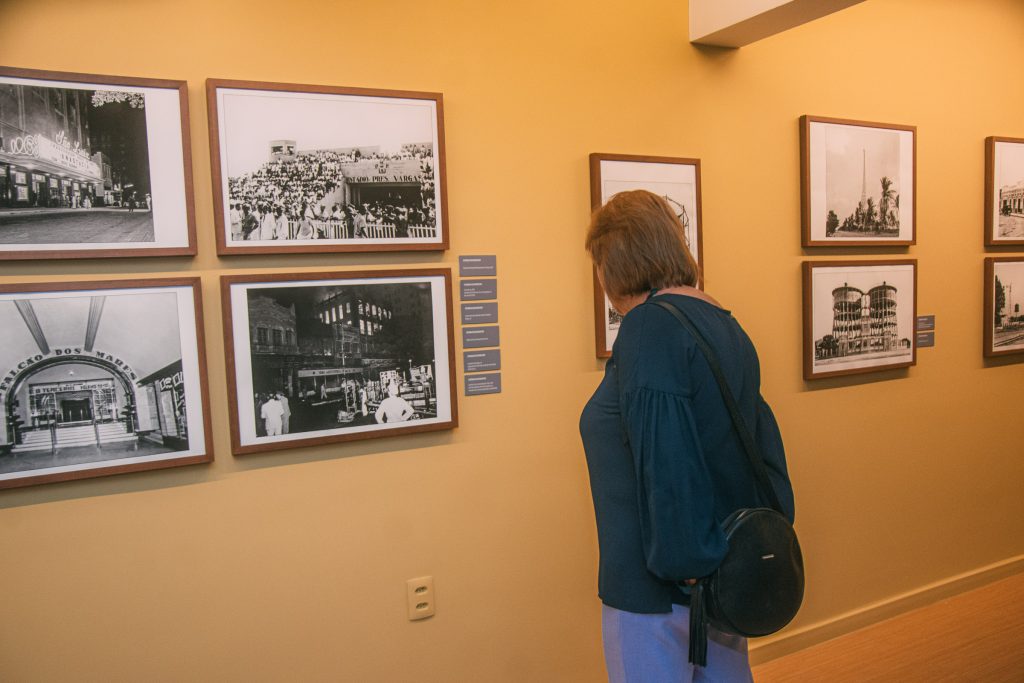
(651,346)
(650,317)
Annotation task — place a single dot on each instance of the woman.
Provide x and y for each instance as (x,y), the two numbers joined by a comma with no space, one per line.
(666,465)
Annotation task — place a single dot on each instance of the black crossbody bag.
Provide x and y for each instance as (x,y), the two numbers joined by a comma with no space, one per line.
(759,586)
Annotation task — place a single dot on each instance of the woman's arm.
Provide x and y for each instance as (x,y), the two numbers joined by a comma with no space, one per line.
(681,537)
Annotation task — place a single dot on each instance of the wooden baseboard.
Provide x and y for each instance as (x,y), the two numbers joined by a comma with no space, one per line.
(787,642)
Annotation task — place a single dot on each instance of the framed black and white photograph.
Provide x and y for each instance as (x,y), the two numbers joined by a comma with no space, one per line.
(101,378)
(1004,294)
(307,168)
(858,316)
(675,179)
(858,183)
(94,166)
(1004,191)
(325,357)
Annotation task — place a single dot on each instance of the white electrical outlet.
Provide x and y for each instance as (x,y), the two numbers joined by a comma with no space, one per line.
(419,594)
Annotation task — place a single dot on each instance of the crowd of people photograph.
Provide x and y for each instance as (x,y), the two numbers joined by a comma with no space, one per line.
(312,196)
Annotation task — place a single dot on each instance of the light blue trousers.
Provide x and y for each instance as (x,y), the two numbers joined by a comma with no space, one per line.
(653,648)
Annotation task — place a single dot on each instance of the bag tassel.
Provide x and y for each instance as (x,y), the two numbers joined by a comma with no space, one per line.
(698,626)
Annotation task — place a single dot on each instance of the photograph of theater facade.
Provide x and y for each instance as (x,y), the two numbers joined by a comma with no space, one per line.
(74,165)
(94,378)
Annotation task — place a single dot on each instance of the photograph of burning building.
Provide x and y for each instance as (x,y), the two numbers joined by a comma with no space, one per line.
(306,169)
(99,376)
(858,316)
(84,168)
(339,357)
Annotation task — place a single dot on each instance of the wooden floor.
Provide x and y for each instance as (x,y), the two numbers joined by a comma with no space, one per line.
(977,636)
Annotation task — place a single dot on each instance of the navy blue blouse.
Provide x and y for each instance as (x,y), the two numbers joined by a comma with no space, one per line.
(666,465)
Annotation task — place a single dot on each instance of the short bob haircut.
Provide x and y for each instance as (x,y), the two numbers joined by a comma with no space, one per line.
(638,244)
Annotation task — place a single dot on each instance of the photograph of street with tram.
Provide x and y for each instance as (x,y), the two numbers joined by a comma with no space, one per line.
(78,172)
(340,359)
(1005,289)
(858,183)
(302,168)
(861,317)
(1008,187)
(97,378)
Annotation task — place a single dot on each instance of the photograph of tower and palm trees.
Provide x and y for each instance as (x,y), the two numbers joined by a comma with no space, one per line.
(859,185)
(1004,162)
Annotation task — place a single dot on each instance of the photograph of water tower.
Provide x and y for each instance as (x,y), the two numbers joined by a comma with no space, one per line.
(339,357)
(91,169)
(858,316)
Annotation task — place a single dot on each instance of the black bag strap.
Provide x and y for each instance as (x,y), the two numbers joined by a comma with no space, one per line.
(752,451)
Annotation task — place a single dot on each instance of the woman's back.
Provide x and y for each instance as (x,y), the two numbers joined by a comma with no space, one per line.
(665,456)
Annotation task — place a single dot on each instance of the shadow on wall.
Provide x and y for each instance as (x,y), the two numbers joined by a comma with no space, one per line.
(224,464)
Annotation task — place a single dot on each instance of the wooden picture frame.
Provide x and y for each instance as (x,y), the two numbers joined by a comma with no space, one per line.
(94,166)
(858,316)
(360,170)
(1004,191)
(675,178)
(1004,317)
(329,347)
(102,377)
(838,185)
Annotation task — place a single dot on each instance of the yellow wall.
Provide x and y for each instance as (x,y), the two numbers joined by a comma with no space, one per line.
(291,566)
